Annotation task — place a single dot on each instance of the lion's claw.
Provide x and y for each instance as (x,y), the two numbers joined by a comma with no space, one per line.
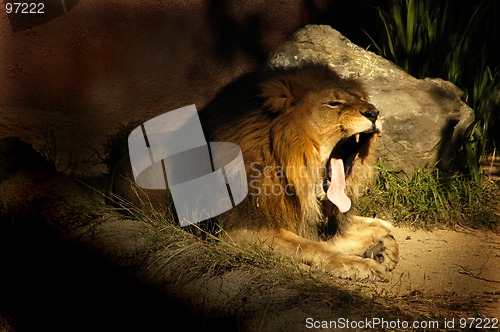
(375,252)
(357,268)
(385,252)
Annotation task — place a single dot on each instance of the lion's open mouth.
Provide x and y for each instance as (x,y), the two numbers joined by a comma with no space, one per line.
(340,165)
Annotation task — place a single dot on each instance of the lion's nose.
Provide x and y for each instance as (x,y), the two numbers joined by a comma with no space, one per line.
(371,113)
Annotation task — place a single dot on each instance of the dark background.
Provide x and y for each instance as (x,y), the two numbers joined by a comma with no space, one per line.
(68,80)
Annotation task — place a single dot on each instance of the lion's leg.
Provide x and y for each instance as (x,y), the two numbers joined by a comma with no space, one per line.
(372,222)
(370,238)
(317,254)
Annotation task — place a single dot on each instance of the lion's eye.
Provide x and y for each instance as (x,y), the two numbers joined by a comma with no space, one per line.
(335,104)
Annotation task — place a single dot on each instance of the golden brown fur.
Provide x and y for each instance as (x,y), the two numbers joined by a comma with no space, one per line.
(288,125)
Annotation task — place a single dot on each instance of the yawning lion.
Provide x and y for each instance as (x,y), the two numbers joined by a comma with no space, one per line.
(306,136)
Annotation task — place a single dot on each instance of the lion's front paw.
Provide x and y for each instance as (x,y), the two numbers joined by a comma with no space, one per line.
(385,252)
(357,268)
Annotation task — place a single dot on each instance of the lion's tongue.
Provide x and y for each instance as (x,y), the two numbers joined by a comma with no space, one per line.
(336,189)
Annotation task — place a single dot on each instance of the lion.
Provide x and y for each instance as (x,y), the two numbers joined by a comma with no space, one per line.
(307,139)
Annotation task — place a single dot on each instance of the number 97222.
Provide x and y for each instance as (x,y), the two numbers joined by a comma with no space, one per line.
(24,8)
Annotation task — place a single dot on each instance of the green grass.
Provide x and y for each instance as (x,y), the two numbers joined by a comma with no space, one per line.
(431,198)
(453,41)
(457,42)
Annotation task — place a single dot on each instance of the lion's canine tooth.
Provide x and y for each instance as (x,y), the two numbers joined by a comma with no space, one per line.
(375,137)
(357,138)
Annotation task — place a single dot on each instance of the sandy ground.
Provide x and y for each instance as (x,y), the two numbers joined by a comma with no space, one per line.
(459,269)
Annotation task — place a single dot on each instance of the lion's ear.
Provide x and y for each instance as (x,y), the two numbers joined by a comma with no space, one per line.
(277,94)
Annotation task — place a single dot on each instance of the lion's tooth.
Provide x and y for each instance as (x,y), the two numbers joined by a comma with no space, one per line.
(375,137)
(357,138)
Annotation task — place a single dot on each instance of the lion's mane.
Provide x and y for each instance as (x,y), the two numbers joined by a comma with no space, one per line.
(267,115)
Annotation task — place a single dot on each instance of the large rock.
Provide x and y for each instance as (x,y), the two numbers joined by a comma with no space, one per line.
(423,120)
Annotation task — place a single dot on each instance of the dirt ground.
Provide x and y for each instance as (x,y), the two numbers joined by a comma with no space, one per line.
(447,271)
